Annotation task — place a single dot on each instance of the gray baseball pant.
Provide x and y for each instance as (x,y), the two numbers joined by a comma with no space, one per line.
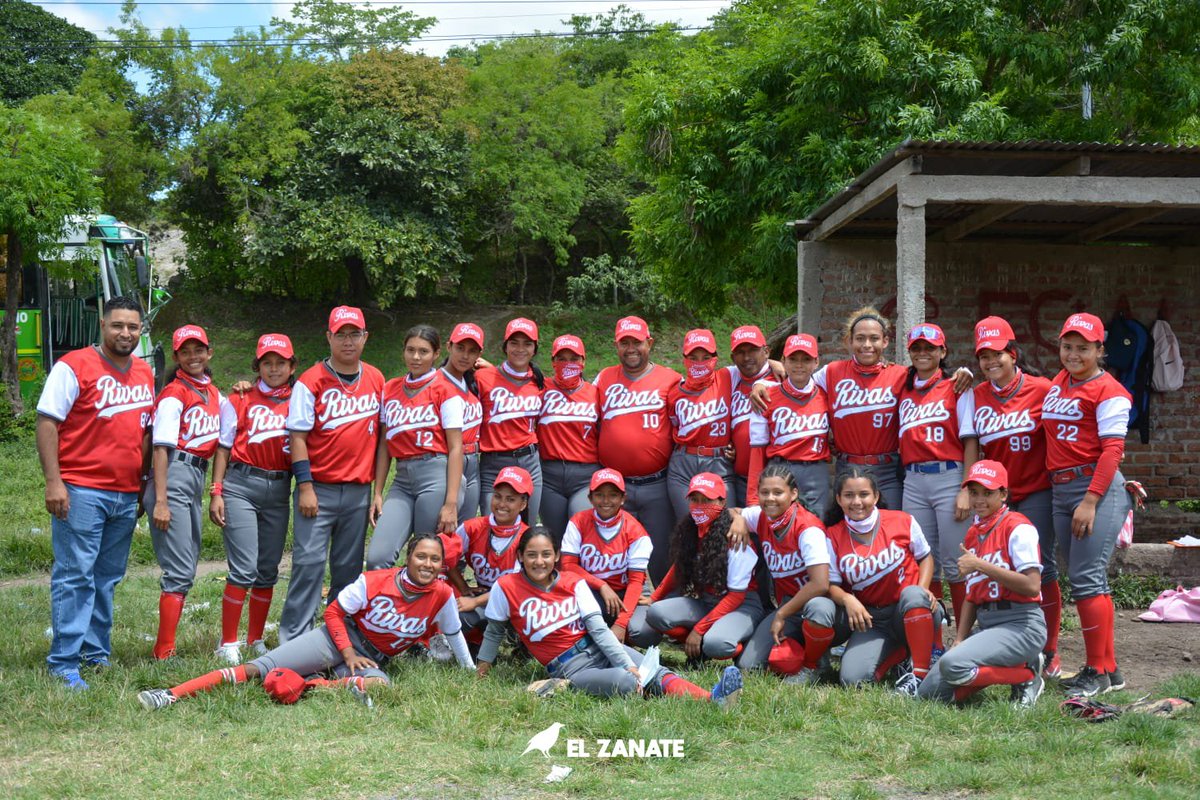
(685,466)
(337,532)
(490,465)
(865,650)
(468,490)
(758,647)
(1087,558)
(564,493)
(812,480)
(888,477)
(929,498)
(1006,638)
(1039,508)
(257,509)
(178,548)
(412,505)
(311,653)
(724,636)
(647,500)
(591,672)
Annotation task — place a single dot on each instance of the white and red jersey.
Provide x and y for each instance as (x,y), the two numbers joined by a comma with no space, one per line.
(548,621)
(472,412)
(567,425)
(414,416)
(488,550)
(1077,416)
(635,430)
(1010,431)
(1010,542)
(934,421)
(341,418)
(863,408)
(103,413)
(510,410)
(701,419)
(876,572)
(741,412)
(798,544)
(187,417)
(388,616)
(259,422)
(608,550)
(796,424)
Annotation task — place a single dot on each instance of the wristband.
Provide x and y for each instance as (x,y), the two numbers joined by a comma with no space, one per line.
(302,470)
(217,489)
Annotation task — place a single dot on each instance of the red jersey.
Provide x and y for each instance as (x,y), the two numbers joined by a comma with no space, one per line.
(472,412)
(341,421)
(740,414)
(934,421)
(415,418)
(103,413)
(609,551)
(261,438)
(796,425)
(877,572)
(548,621)
(510,410)
(1078,415)
(798,544)
(390,617)
(1010,431)
(187,417)
(567,424)
(1011,543)
(701,419)
(488,550)
(635,432)
(864,407)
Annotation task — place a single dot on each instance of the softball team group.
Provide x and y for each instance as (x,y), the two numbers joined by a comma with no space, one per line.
(596,517)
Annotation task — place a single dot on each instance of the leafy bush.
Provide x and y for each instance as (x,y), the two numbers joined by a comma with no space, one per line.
(15,426)
(605,283)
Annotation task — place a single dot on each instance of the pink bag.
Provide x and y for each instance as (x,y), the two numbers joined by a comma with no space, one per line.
(1125,535)
(1174,605)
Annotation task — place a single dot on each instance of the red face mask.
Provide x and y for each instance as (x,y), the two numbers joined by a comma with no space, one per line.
(700,373)
(568,374)
(705,514)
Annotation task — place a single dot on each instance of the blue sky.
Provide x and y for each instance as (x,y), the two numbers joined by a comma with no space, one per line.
(455,19)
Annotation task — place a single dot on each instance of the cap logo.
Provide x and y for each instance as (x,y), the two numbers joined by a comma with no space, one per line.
(273,341)
(626,325)
(520,325)
(1077,321)
(739,336)
(705,482)
(987,333)
(991,473)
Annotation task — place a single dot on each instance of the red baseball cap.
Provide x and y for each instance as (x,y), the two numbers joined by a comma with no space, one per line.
(708,484)
(927,332)
(274,343)
(747,334)
(467,331)
(1088,326)
(181,335)
(568,342)
(521,325)
(699,339)
(989,474)
(606,475)
(633,327)
(993,333)
(800,343)
(347,315)
(284,685)
(516,478)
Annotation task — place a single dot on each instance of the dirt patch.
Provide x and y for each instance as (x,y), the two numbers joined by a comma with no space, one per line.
(1147,652)
(202,569)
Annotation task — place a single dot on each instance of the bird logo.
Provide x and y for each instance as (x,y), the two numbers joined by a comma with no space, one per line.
(543,741)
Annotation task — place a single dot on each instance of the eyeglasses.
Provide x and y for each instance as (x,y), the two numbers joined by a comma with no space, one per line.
(349,336)
(923,332)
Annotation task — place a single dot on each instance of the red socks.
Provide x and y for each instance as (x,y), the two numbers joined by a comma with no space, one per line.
(170,607)
(256,616)
(1052,611)
(1008,676)
(673,684)
(893,658)
(207,681)
(1097,618)
(679,633)
(918,630)
(958,595)
(231,612)
(817,639)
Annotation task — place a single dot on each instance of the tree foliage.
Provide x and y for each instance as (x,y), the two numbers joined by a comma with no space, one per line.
(40,53)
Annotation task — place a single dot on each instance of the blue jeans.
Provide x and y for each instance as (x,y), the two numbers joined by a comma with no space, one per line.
(91,549)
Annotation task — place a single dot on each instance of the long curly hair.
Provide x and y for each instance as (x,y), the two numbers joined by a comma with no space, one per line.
(700,563)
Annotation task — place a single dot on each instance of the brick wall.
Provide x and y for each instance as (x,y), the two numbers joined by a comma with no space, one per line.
(1036,288)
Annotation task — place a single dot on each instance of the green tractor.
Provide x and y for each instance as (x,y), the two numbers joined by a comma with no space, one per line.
(103,258)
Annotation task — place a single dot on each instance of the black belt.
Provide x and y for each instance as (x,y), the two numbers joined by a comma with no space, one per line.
(528,450)
(644,479)
(189,459)
(269,474)
(998,605)
(422,457)
(561,659)
(933,467)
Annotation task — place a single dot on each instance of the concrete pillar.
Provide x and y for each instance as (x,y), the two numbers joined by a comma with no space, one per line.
(910,271)
(810,290)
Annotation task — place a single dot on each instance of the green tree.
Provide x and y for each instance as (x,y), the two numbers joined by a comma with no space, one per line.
(341,30)
(40,53)
(47,175)
(754,123)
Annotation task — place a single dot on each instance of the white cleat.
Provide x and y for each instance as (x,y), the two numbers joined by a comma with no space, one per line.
(229,653)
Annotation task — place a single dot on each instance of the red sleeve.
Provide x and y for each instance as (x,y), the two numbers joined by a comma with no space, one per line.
(758,459)
(1106,466)
(633,592)
(570,563)
(335,624)
(664,588)
(728,603)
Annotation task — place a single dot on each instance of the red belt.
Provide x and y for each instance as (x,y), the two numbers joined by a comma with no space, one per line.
(702,451)
(470,449)
(1069,474)
(886,458)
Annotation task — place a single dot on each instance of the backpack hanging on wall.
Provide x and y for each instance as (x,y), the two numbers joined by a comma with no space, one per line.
(1127,349)
(1167,373)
